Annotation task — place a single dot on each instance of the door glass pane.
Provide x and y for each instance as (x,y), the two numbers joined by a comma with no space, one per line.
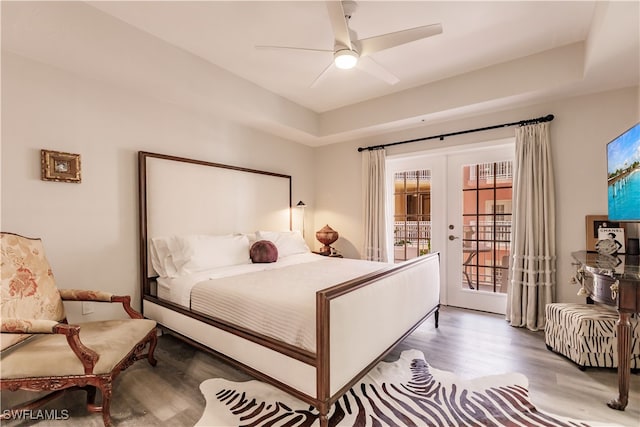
(486,240)
(503,200)
(424,181)
(399,200)
(412,204)
(469,201)
(412,214)
(485,201)
(469,228)
(470,177)
(425,204)
(486,175)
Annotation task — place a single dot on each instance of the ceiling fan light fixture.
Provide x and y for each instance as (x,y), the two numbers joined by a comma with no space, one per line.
(345,59)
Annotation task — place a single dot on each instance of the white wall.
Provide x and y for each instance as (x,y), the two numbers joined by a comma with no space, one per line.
(90,230)
(579,134)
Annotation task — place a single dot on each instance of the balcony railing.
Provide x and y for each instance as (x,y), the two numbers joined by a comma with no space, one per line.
(484,231)
(503,171)
(413,231)
(423,175)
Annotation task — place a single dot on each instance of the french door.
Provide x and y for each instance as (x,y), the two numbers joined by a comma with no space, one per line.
(479,228)
(467,219)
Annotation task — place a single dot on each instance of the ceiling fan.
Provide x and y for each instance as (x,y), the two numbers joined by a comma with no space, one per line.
(349,51)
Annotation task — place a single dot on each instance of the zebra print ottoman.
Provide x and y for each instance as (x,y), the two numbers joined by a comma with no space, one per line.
(586,334)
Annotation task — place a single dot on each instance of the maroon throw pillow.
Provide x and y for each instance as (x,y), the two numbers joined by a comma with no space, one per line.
(263,251)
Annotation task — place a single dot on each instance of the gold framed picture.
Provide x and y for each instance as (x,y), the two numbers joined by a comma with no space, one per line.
(593,224)
(60,166)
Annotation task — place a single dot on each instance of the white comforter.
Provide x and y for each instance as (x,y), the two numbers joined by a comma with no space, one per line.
(276,300)
(178,289)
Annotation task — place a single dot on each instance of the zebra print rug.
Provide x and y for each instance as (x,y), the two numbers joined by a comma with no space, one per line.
(407,392)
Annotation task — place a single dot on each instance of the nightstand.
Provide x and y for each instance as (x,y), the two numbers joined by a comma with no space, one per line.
(332,254)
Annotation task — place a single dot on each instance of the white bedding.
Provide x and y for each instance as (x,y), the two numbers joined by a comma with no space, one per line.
(282,294)
(178,289)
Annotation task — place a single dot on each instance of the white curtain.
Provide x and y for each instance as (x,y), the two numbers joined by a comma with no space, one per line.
(533,244)
(373,181)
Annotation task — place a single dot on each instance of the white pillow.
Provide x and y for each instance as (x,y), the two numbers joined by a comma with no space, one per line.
(250,236)
(161,256)
(287,242)
(203,252)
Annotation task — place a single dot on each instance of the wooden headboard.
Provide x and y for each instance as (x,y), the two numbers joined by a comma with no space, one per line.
(186,196)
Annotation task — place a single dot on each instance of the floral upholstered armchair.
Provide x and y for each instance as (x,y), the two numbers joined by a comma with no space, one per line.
(41,352)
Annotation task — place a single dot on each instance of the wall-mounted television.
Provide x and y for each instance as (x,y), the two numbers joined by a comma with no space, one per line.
(623,176)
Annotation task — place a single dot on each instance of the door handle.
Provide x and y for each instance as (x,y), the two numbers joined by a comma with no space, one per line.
(452,237)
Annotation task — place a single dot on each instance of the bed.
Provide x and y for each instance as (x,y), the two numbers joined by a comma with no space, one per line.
(308,324)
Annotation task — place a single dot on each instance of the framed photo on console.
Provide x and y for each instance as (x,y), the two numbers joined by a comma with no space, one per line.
(615,235)
(593,223)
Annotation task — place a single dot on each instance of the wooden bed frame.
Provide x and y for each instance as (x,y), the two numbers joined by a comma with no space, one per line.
(357,322)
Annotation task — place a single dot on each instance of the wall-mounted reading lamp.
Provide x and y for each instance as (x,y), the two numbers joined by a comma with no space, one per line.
(302,206)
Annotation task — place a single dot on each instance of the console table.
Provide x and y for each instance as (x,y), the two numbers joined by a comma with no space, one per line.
(616,281)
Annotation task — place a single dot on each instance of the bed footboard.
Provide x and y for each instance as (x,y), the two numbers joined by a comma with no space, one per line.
(368,317)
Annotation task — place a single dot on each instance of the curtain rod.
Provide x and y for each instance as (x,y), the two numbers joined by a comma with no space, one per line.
(547,118)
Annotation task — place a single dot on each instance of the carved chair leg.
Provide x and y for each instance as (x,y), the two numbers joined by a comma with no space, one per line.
(105,390)
(152,347)
(106,403)
(106,406)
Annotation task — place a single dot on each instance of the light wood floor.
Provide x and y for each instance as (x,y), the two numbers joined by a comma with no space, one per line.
(469,343)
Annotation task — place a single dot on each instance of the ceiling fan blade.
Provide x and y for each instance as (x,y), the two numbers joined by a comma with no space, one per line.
(322,75)
(339,23)
(371,67)
(292,48)
(386,41)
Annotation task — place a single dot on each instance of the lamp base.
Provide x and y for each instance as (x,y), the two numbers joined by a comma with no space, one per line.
(325,250)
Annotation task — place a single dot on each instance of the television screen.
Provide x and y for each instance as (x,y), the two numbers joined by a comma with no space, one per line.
(623,170)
